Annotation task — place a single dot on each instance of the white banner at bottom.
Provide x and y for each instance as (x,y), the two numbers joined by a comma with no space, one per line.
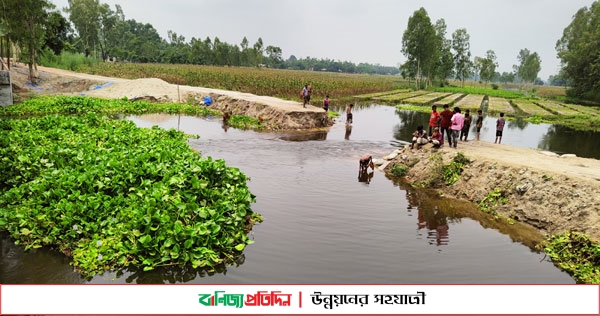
(300,299)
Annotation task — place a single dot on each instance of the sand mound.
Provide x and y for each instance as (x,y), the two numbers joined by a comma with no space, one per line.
(136,89)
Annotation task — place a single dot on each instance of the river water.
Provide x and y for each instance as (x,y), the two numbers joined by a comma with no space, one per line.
(323,223)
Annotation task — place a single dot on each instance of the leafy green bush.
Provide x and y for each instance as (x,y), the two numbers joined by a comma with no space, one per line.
(113,195)
(577,254)
(495,86)
(399,170)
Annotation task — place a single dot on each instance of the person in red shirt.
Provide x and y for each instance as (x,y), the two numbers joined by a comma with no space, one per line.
(445,123)
(434,119)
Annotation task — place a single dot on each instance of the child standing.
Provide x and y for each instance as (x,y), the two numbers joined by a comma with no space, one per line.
(349,114)
(466,126)
(479,123)
(499,128)
(326,103)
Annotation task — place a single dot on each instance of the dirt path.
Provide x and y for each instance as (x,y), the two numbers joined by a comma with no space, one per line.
(171,92)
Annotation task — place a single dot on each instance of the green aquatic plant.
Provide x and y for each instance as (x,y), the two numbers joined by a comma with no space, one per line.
(111,194)
(577,254)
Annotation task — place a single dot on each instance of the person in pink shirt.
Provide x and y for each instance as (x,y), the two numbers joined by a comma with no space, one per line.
(456,124)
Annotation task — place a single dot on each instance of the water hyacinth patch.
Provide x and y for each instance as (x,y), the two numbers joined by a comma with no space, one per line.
(111,194)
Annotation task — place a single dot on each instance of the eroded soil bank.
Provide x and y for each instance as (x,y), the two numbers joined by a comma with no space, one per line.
(551,193)
(275,113)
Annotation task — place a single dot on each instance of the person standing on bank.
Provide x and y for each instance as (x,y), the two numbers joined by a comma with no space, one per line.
(326,103)
(499,128)
(466,126)
(434,119)
(479,123)
(457,122)
(306,92)
(445,123)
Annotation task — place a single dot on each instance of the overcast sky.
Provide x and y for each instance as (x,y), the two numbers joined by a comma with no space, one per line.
(362,30)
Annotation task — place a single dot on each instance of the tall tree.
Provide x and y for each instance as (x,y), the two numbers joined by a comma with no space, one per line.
(445,63)
(486,66)
(85,16)
(419,44)
(258,52)
(274,54)
(529,65)
(462,54)
(57,32)
(579,53)
(25,22)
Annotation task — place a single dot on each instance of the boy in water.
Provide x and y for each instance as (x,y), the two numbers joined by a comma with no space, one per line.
(365,162)
(349,114)
(499,128)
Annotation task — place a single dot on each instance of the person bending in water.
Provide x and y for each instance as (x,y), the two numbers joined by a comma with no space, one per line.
(365,162)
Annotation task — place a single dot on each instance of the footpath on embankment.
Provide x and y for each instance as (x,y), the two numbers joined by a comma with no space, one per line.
(276,114)
(552,193)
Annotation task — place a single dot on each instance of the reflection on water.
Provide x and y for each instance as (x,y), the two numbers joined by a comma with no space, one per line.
(323,226)
(348,131)
(365,176)
(305,136)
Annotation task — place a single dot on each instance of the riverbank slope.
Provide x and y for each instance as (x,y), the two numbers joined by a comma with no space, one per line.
(550,192)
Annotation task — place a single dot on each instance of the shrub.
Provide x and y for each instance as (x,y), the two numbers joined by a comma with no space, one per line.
(495,86)
(399,170)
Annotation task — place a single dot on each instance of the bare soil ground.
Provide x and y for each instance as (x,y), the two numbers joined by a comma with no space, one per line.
(277,113)
(550,192)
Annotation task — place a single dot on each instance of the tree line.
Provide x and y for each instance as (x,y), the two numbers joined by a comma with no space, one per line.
(432,56)
(92,28)
(37,28)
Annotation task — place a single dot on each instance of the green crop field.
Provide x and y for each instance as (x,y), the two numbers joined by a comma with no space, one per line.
(450,100)
(530,108)
(426,99)
(471,101)
(380,94)
(281,83)
(499,105)
(595,111)
(400,96)
(556,108)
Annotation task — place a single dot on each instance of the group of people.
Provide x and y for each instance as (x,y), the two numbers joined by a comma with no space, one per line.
(455,125)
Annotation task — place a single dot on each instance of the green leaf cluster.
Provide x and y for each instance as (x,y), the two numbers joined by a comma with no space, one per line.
(451,172)
(78,105)
(577,254)
(491,200)
(112,195)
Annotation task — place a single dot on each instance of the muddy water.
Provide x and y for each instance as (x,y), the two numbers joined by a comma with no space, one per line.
(326,224)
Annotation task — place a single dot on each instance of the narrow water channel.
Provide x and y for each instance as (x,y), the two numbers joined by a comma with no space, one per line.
(325,224)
